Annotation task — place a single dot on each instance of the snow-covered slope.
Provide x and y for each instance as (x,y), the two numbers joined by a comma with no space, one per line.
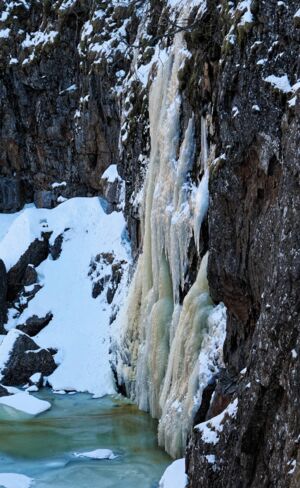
(80,325)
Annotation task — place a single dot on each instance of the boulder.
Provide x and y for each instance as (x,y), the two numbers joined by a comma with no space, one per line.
(35,324)
(21,357)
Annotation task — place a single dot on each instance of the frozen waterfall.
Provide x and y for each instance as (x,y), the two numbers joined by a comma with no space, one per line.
(162,338)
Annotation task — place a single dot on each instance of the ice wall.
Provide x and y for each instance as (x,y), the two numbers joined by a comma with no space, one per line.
(162,338)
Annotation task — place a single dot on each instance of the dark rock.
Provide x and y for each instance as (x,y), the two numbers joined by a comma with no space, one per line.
(3,391)
(30,276)
(56,247)
(35,255)
(35,324)
(99,286)
(11,195)
(26,358)
(3,294)
(44,199)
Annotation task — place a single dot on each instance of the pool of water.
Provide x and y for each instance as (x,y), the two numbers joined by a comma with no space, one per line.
(43,447)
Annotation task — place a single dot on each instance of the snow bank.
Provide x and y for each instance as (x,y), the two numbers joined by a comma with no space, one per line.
(25,403)
(97,454)
(13,480)
(80,325)
(174,476)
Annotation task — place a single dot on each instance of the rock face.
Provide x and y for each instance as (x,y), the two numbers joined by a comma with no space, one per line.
(25,358)
(254,256)
(59,124)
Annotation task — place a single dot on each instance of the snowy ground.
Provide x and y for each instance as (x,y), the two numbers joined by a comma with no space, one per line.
(80,325)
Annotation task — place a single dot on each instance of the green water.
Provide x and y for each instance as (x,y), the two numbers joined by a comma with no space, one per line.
(43,447)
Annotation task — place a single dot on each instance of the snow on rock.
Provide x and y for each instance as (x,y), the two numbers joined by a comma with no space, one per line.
(281,83)
(56,184)
(80,325)
(97,454)
(174,476)
(211,429)
(13,480)
(26,403)
(111,174)
(4,33)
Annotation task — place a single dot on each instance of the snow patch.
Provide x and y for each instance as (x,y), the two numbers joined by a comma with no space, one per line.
(174,476)
(281,83)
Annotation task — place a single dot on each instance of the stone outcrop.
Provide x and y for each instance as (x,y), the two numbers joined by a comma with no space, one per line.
(36,253)
(25,358)
(35,324)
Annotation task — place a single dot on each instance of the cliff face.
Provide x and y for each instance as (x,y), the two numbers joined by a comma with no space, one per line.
(74,98)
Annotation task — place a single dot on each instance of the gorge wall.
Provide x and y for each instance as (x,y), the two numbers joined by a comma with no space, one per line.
(197,102)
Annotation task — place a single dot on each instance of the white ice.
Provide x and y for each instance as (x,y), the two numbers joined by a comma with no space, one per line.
(96,454)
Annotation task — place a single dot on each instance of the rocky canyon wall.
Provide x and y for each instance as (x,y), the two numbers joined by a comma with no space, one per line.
(197,103)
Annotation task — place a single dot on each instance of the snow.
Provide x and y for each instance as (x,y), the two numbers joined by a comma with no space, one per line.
(26,403)
(97,454)
(111,174)
(282,83)
(255,108)
(13,61)
(4,33)
(80,325)
(211,428)
(63,183)
(35,38)
(13,480)
(297,14)
(32,388)
(174,476)
(247,17)
(36,377)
